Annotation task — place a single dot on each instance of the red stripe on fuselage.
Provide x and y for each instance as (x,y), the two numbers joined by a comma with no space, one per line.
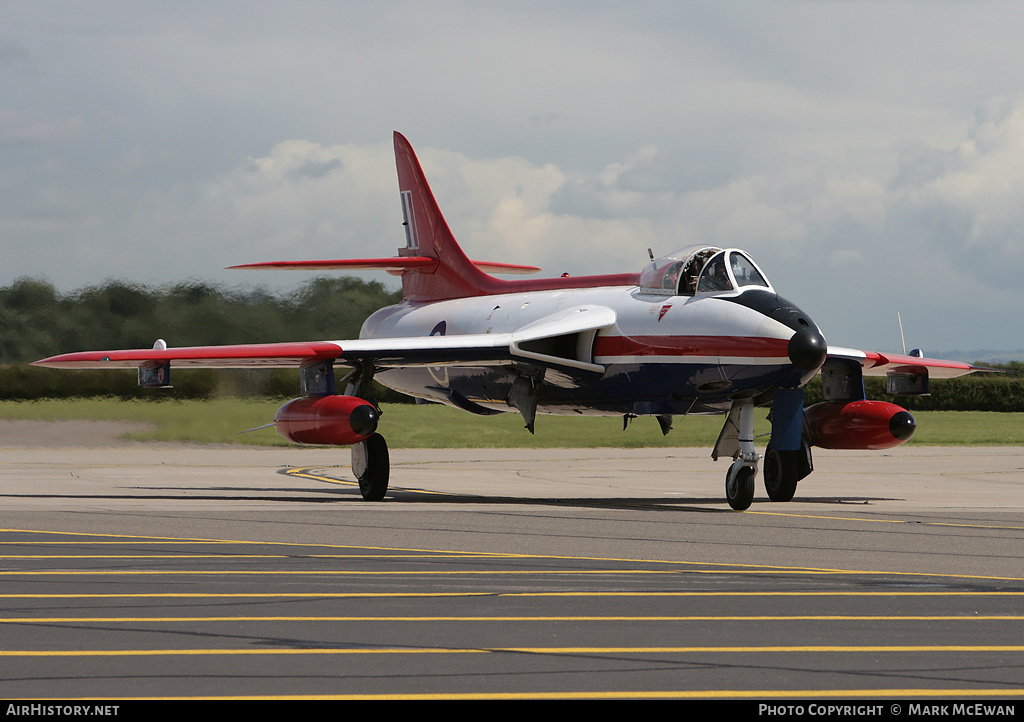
(732,346)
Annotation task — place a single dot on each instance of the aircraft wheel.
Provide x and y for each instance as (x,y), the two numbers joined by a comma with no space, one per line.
(371,465)
(739,485)
(781,473)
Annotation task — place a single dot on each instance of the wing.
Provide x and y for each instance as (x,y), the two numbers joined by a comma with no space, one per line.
(545,342)
(265,355)
(429,350)
(873,363)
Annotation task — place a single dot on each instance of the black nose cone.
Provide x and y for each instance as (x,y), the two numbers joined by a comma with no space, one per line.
(364,419)
(808,349)
(902,425)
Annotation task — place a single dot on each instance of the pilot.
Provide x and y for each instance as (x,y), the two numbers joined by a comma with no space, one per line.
(691,271)
(716,279)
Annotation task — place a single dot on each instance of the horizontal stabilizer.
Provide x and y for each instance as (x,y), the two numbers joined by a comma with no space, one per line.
(394,265)
(408,263)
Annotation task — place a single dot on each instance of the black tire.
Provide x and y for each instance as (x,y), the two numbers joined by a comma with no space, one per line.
(781,473)
(739,489)
(371,465)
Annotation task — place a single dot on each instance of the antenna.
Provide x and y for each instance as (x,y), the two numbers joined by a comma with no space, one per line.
(903,340)
(650,253)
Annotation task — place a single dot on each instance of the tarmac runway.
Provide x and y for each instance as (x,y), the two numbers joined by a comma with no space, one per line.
(150,570)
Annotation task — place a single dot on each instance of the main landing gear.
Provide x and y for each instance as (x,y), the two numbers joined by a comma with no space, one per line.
(781,473)
(371,462)
(371,465)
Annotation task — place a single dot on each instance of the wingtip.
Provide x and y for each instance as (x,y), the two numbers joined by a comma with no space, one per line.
(990,370)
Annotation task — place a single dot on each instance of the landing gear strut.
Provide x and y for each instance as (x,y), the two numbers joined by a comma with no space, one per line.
(371,465)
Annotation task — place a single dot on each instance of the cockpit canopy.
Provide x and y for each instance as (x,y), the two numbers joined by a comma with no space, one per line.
(699,269)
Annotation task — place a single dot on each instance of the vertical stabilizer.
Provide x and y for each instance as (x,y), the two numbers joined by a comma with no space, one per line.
(432,265)
(427,234)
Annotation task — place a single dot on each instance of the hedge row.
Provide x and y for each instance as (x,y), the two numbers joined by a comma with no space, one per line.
(21,382)
(976,392)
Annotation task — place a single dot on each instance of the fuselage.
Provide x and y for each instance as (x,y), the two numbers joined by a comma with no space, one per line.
(662,355)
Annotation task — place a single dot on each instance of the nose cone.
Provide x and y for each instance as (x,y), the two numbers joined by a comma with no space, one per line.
(363,420)
(902,425)
(808,349)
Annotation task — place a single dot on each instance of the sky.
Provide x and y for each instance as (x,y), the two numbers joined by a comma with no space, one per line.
(868,155)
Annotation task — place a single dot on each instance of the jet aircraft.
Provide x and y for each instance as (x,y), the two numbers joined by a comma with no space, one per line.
(698,331)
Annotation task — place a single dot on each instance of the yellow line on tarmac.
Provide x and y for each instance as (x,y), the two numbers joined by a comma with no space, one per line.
(304,473)
(718,567)
(165,556)
(441,573)
(338,572)
(229,555)
(142,539)
(258,595)
(404,595)
(883,521)
(544,618)
(793,649)
(133,537)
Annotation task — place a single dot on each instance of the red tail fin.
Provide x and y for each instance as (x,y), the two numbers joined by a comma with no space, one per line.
(427,234)
(432,265)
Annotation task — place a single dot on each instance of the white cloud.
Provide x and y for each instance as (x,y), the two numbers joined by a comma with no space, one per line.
(18,127)
(978,188)
(849,156)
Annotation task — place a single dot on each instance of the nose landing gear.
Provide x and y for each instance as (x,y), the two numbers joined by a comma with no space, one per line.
(739,482)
